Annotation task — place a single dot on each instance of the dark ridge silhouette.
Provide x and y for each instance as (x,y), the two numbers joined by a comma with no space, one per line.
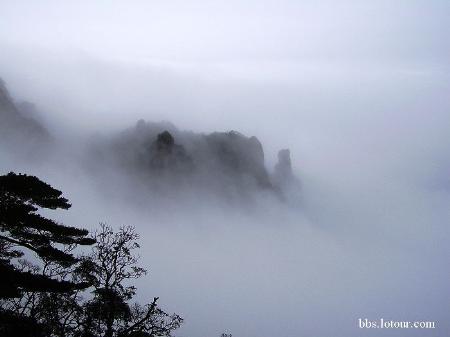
(18,127)
(224,163)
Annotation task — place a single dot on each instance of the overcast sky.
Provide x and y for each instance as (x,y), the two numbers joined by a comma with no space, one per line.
(321,46)
(382,31)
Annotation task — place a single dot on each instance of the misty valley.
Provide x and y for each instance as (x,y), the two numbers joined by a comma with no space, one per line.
(60,293)
(159,157)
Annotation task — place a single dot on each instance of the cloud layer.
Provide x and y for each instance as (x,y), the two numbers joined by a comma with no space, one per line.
(357,91)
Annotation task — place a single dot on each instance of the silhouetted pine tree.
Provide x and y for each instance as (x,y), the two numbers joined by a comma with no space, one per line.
(24,231)
(48,301)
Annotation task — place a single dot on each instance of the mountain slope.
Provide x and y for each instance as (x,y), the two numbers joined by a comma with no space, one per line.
(15,125)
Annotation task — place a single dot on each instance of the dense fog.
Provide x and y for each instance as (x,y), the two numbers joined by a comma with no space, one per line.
(358,92)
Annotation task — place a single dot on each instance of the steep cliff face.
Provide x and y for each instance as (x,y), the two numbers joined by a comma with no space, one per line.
(283,175)
(16,124)
(7,107)
(238,154)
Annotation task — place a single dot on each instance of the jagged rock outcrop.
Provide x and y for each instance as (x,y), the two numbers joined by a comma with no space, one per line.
(283,175)
(228,163)
(158,156)
(164,154)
